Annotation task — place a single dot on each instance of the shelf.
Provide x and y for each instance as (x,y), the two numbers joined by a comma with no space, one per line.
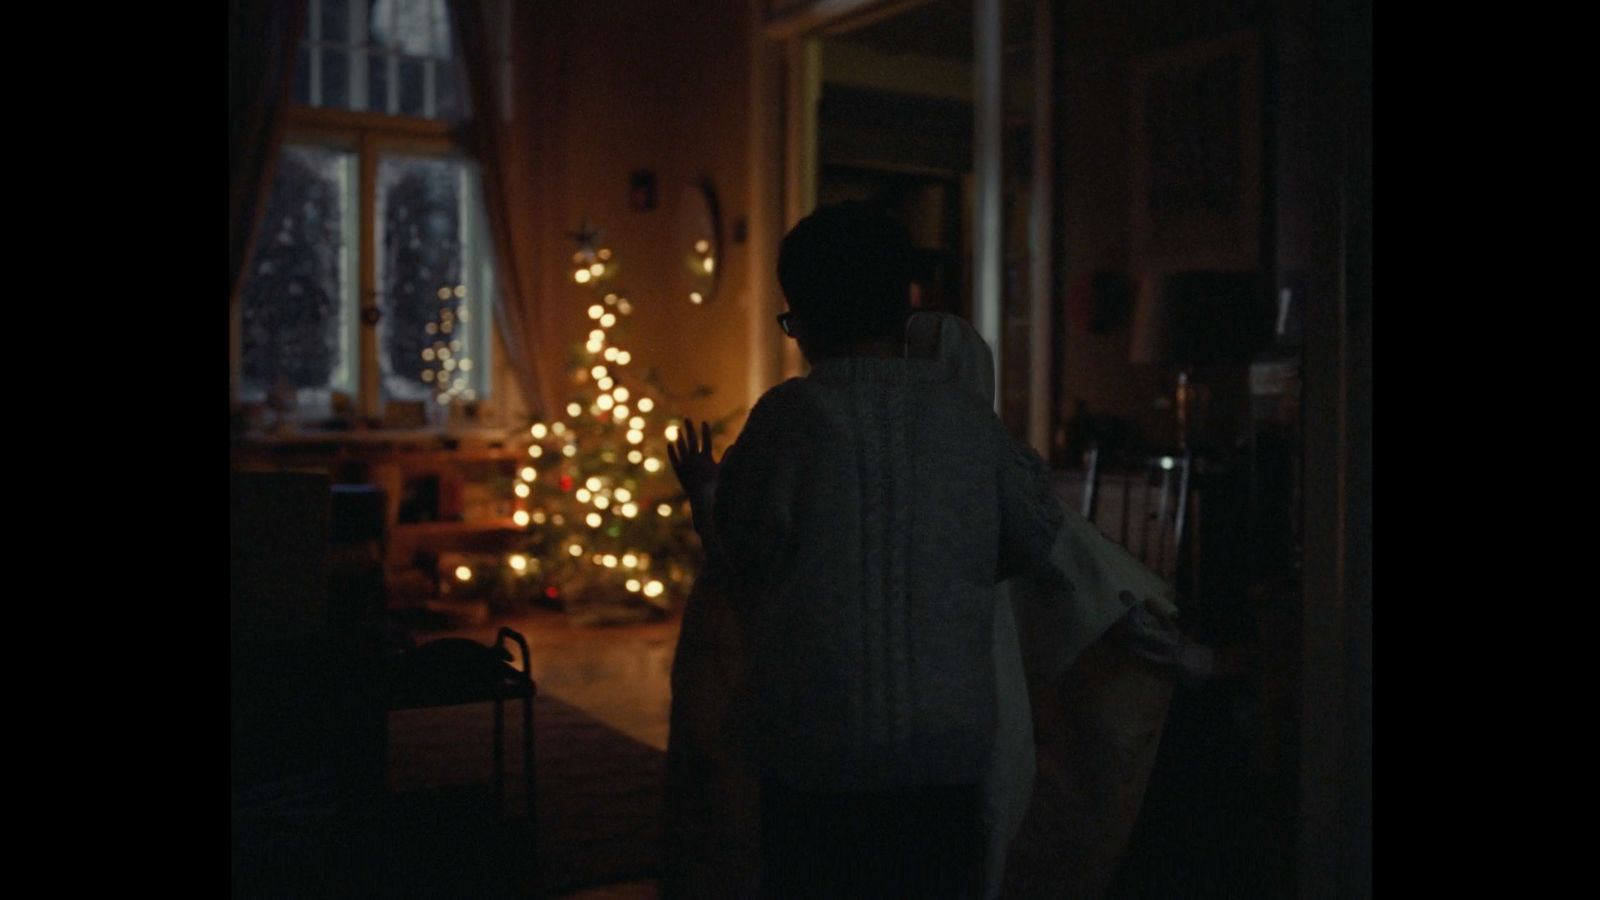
(477,525)
(418,446)
(416,436)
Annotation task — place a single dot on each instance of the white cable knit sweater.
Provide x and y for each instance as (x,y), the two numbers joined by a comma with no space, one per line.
(868,510)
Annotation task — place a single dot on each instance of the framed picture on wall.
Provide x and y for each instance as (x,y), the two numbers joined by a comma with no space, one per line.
(1197,156)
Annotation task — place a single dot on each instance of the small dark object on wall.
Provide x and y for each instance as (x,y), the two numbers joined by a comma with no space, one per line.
(642,190)
(370,315)
(741,229)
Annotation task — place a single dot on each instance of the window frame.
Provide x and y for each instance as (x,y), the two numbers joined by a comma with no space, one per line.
(370,136)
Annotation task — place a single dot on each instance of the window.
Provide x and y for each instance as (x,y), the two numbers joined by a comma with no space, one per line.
(371,199)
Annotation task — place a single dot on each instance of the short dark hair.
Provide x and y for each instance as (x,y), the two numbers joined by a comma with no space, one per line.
(846,271)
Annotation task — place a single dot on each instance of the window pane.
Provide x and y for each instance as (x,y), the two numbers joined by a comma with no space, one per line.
(386,56)
(414,27)
(335,79)
(380,22)
(378,82)
(429,339)
(297,335)
(335,21)
(411,87)
(449,94)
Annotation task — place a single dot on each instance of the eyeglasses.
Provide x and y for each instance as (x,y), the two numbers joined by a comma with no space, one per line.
(786,322)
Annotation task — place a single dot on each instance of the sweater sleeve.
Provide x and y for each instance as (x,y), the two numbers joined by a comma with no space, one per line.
(1030,517)
(752,507)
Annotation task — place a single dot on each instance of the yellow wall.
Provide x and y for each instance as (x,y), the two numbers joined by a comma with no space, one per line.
(638,84)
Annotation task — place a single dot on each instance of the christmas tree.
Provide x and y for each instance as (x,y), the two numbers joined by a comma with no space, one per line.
(607,530)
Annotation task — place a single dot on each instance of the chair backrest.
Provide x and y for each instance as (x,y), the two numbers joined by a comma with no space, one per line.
(1146,505)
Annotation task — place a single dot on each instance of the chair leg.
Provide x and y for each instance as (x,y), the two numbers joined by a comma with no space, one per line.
(499,754)
(529,783)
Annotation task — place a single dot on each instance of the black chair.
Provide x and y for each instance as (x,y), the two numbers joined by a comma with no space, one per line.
(1148,505)
(454,671)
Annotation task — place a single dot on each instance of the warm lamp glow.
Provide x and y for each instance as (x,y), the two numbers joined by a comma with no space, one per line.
(463,573)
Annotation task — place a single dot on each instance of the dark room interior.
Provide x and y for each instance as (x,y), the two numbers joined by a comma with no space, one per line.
(494,262)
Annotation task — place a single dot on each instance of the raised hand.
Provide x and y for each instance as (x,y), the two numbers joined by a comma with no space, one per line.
(1152,636)
(1155,637)
(691,460)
